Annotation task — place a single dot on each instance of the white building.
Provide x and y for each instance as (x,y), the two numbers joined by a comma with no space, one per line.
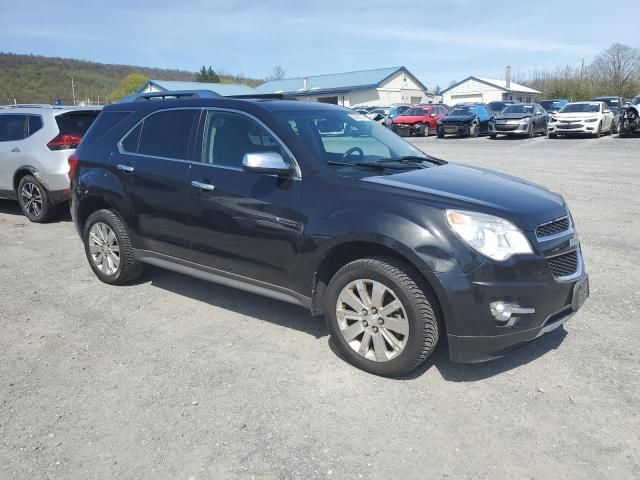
(379,87)
(485,90)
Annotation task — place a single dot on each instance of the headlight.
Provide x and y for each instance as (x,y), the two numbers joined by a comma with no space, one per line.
(525,120)
(591,120)
(493,237)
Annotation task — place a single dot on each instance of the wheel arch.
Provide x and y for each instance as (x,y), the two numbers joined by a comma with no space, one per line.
(23,171)
(90,205)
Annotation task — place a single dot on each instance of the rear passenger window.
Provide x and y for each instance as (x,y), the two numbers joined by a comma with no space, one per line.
(229,136)
(166,134)
(13,127)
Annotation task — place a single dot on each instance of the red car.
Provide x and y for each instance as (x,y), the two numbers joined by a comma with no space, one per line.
(419,120)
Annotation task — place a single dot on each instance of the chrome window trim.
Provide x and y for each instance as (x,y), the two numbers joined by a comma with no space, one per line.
(298,171)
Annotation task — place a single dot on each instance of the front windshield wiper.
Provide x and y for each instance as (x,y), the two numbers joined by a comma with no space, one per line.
(376,164)
(416,159)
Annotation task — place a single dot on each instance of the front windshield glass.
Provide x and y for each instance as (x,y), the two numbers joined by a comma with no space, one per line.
(636,101)
(518,109)
(581,108)
(463,111)
(417,112)
(345,137)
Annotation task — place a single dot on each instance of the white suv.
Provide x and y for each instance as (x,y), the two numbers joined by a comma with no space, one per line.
(35,143)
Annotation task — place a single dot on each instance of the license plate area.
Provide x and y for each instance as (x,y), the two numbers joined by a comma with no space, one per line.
(580,294)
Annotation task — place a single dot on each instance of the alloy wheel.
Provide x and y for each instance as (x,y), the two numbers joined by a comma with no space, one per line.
(372,320)
(104,248)
(31,199)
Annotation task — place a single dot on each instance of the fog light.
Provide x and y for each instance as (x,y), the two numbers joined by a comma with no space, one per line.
(505,313)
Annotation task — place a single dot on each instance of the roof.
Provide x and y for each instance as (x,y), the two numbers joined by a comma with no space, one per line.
(334,82)
(224,89)
(501,84)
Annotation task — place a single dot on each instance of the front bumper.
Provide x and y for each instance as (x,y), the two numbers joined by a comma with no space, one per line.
(509,129)
(461,129)
(474,335)
(573,127)
(407,130)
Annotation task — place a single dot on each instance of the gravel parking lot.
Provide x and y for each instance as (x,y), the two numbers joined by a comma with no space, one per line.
(173,377)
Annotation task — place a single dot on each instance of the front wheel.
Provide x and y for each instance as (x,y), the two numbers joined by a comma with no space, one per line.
(426,130)
(598,133)
(614,128)
(531,131)
(34,200)
(474,130)
(440,134)
(380,318)
(109,250)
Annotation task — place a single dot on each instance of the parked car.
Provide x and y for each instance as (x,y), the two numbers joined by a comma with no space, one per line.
(591,118)
(615,104)
(470,120)
(499,105)
(553,106)
(394,247)
(394,111)
(378,114)
(418,120)
(35,142)
(630,118)
(523,119)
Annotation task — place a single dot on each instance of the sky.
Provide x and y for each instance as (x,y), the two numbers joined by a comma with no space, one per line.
(439,42)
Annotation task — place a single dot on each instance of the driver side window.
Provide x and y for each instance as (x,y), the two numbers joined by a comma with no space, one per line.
(229,136)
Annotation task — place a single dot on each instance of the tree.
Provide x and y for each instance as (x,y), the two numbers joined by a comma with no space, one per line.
(278,73)
(129,84)
(207,75)
(618,67)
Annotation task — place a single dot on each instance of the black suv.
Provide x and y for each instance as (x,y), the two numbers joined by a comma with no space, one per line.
(319,206)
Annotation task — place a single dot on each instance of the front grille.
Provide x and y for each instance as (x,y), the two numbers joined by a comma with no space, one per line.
(564,265)
(504,127)
(552,228)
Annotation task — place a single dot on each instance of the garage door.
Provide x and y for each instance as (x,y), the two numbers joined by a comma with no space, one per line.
(467,97)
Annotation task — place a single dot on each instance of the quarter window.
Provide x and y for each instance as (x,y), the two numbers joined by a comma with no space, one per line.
(164,134)
(229,136)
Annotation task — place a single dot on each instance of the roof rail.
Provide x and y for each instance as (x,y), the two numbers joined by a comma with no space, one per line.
(136,97)
(264,96)
(27,105)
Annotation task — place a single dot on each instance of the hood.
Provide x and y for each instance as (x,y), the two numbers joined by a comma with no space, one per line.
(410,119)
(458,118)
(579,115)
(513,116)
(458,186)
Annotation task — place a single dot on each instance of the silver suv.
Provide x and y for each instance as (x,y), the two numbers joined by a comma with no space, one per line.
(35,143)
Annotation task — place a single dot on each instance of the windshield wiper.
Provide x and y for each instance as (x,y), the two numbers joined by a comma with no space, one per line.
(377,164)
(416,159)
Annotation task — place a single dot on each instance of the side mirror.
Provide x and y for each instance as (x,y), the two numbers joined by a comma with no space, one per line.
(270,163)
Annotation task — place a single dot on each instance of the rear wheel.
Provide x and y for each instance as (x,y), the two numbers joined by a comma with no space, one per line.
(34,200)
(381,320)
(108,249)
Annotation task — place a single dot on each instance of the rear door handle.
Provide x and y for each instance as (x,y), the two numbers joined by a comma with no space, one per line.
(202,185)
(15,150)
(125,168)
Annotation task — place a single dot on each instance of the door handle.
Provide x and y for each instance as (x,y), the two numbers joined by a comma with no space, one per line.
(15,150)
(202,185)
(125,168)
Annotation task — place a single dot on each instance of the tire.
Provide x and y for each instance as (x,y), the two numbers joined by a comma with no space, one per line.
(531,131)
(493,136)
(127,268)
(440,134)
(416,315)
(474,130)
(614,128)
(426,130)
(598,133)
(545,132)
(34,200)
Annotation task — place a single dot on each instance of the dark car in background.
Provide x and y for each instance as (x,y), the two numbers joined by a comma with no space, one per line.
(553,105)
(468,120)
(522,119)
(394,247)
(499,105)
(419,120)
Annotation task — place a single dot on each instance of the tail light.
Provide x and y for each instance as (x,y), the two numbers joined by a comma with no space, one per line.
(64,141)
(73,164)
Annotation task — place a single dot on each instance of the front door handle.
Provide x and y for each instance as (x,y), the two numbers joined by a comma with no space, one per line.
(15,150)
(202,185)
(125,168)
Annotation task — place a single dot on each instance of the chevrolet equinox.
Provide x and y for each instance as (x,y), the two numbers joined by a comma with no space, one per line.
(317,205)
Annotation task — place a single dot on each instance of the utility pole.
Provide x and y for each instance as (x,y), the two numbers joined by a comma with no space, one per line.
(73,92)
(582,69)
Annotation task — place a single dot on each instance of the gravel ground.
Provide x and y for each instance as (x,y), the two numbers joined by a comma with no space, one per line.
(177,378)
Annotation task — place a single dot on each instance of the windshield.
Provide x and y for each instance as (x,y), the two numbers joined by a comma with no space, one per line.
(345,137)
(416,112)
(581,108)
(463,111)
(518,109)
(636,101)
